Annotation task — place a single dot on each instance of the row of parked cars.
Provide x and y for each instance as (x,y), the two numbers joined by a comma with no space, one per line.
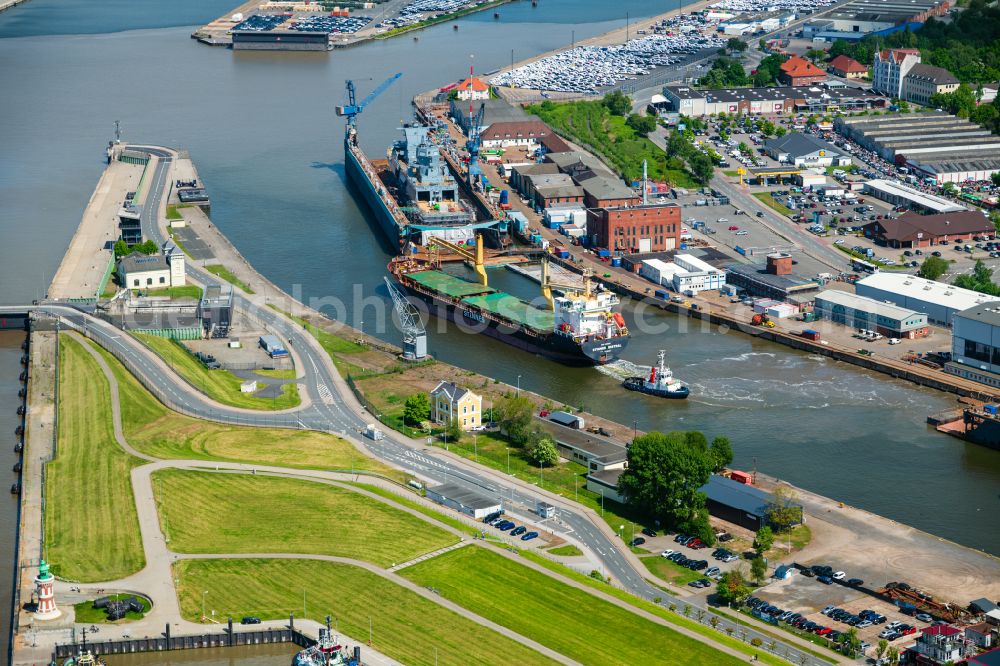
(861,619)
(796,620)
(498,521)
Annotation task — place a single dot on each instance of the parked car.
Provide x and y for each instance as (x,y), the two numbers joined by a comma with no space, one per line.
(826,580)
(856,582)
(649,531)
(518,531)
(924,617)
(840,575)
(250,619)
(667,553)
(638,541)
(529,536)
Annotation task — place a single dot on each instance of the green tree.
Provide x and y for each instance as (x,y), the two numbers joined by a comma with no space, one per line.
(850,643)
(617,103)
(732,589)
(881,648)
(543,452)
(995,177)
(642,124)
(736,45)
(758,569)
(815,54)
(893,654)
(454,430)
(764,540)
(513,415)
(981,280)
(416,409)
(148,247)
(121,249)
(780,131)
(702,167)
(783,511)
(664,473)
(949,188)
(933,267)
(722,452)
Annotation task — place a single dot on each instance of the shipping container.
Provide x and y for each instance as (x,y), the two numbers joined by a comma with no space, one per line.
(272,345)
(616,261)
(810,334)
(659,293)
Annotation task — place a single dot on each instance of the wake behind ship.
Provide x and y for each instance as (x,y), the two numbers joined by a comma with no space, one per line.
(578,328)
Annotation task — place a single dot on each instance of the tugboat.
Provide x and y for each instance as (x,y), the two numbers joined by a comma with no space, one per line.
(85,658)
(661,381)
(327,651)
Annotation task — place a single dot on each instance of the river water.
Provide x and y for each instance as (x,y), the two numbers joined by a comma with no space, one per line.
(260,127)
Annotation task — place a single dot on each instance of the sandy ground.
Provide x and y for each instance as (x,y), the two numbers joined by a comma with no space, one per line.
(879,550)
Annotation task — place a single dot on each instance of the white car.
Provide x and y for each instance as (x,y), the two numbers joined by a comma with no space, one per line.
(667,553)
(840,575)
(839,241)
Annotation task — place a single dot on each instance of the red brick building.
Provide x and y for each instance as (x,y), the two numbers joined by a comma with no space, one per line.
(911,229)
(797,71)
(635,228)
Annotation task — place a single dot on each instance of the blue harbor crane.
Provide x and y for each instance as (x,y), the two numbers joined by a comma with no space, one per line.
(475,131)
(353,107)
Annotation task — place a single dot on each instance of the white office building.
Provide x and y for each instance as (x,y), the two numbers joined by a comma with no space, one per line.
(975,344)
(686,274)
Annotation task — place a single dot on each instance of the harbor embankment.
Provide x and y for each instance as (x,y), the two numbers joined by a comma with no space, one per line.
(7,4)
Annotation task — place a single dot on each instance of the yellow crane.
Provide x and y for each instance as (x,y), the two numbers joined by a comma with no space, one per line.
(572,290)
(474,256)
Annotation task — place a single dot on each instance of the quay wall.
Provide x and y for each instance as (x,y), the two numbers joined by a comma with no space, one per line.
(914,373)
(226,638)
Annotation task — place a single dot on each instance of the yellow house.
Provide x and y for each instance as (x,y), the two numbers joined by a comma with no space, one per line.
(449,401)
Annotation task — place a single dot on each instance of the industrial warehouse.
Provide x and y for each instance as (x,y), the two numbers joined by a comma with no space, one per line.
(937,146)
(690,101)
(860,17)
(890,320)
(939,301)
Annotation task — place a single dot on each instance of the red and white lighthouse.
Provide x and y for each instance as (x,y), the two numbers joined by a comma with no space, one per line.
(46,595)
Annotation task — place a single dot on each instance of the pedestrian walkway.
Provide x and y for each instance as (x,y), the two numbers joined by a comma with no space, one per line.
(427,556)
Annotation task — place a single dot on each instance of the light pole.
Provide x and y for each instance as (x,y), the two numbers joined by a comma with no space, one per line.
(519,386)
(203,604)
(621,532)
(475,445)
(508,460)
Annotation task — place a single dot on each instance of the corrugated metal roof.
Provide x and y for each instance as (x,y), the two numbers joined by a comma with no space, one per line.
(463,496)
(736,495)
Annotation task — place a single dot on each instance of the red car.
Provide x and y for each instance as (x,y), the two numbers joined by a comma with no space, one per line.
(694,543)
(823,631)
(734,228)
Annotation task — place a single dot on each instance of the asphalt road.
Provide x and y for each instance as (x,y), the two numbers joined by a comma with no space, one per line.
(330,406)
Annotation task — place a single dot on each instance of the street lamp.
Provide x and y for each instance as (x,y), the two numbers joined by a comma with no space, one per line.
(203,604)
(519,385)
(621,532)
(508,460)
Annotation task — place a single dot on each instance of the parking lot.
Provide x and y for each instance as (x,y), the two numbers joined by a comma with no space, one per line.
(802,599)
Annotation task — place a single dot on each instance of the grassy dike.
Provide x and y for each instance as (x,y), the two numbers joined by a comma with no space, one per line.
(91,525)
(405,626)
(561,617)
(219,385)
(208,512)
(157,431)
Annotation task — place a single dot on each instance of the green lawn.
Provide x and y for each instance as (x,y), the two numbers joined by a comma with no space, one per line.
(187,291)
(446,516)
(405,626)
(85,613)
(172,213)
(221,271)
(569,550)
(678,618)
(568,620)
(669,571)
(208,512)
(768,200)
(219,385)
(590,124)
(91,526)
(157,431)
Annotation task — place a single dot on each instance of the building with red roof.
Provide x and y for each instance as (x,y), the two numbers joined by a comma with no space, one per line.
(848,68)
(470,88)
(797,71)
(940,644)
